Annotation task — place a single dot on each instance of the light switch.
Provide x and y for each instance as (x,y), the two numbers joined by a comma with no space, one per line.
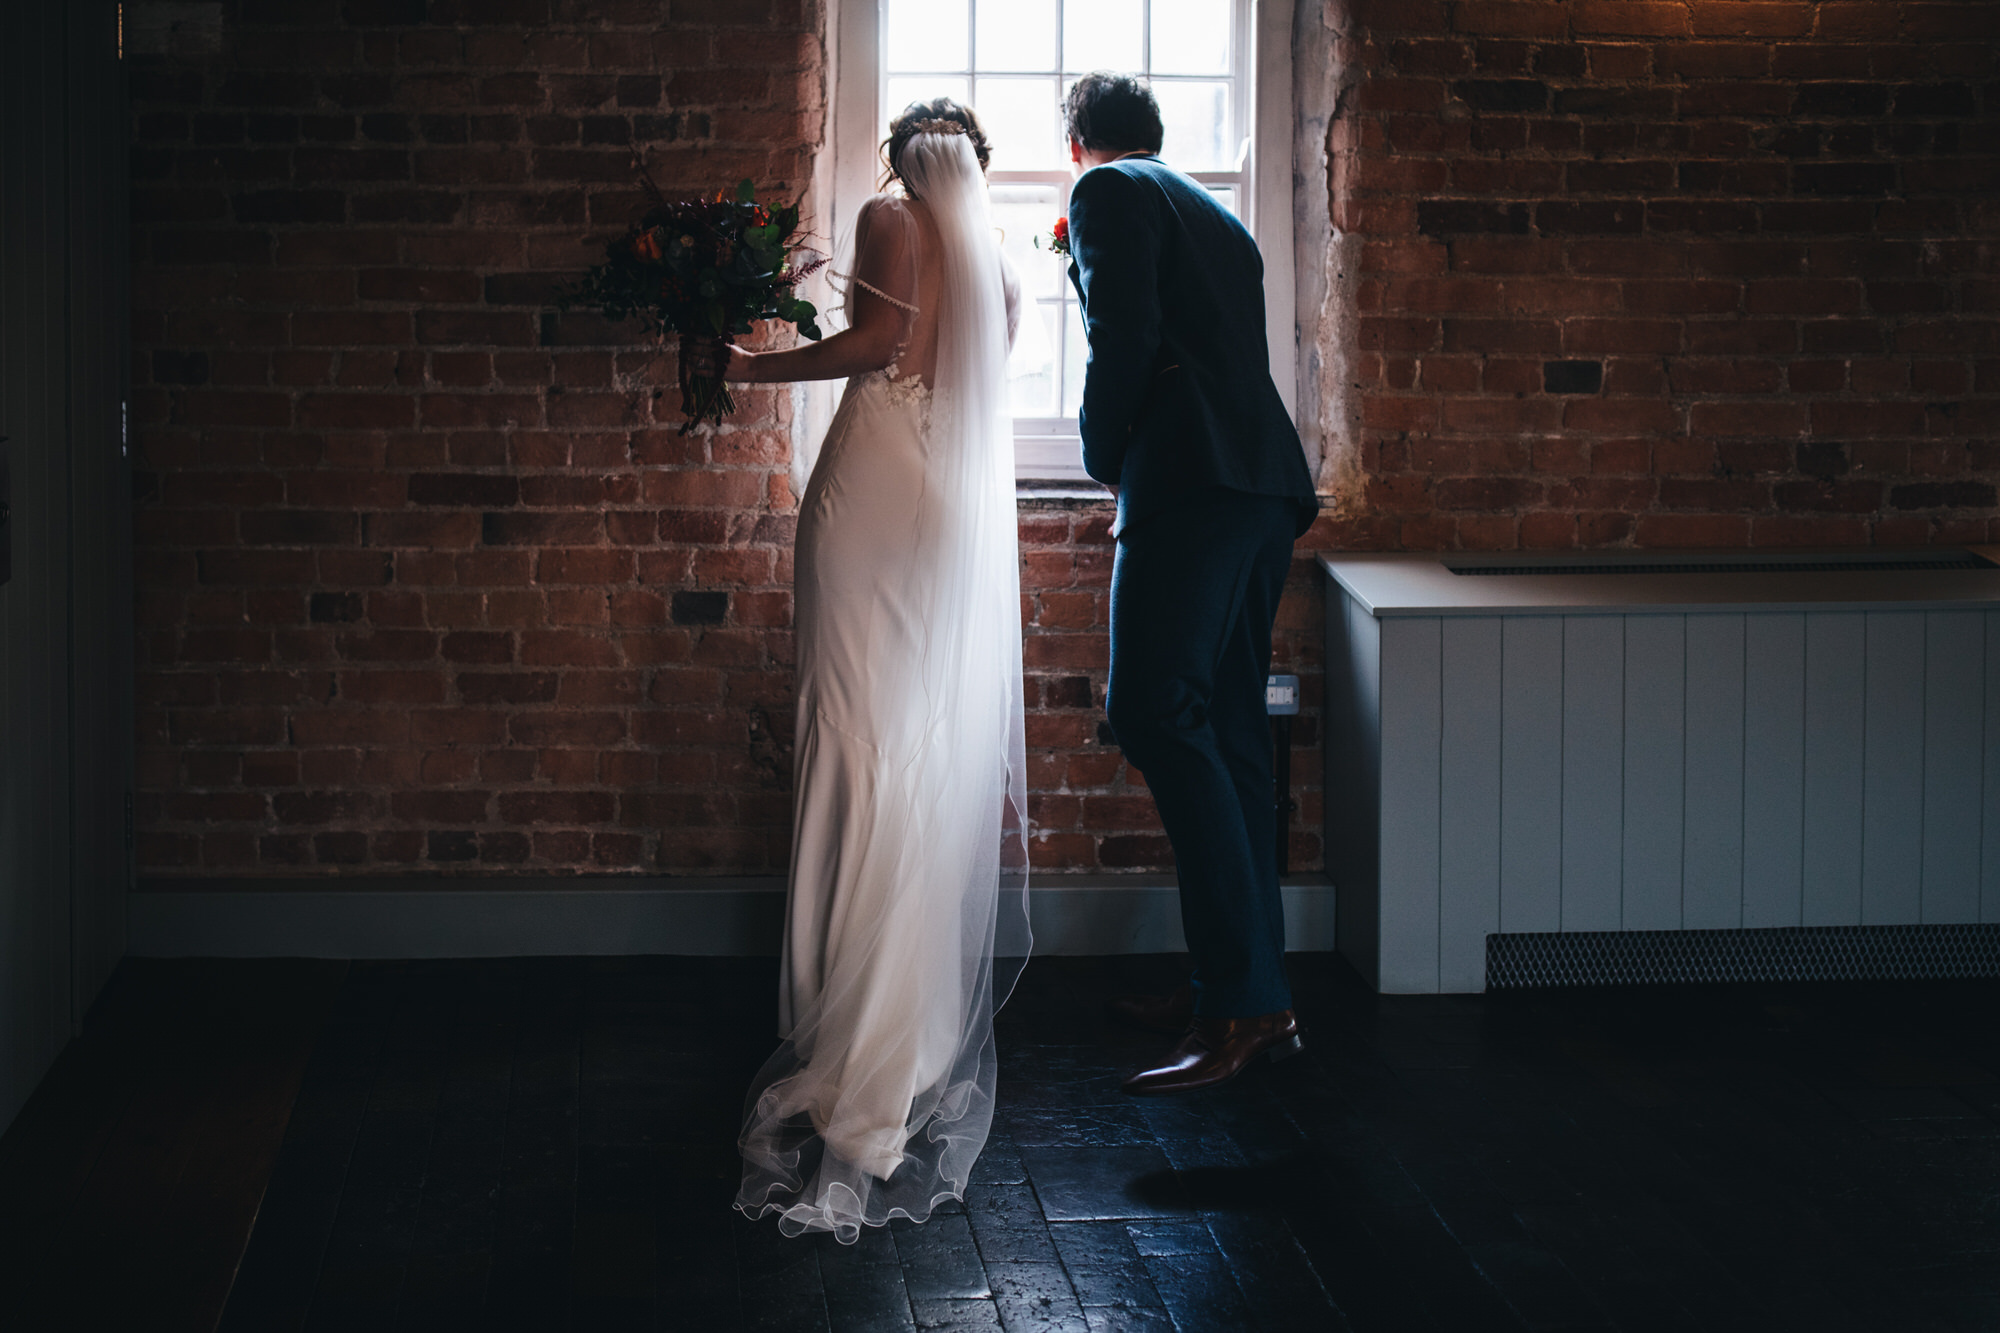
(1281,695)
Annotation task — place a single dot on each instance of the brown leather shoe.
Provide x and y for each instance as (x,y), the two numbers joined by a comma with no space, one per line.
(1170,1014)
(1216,1050)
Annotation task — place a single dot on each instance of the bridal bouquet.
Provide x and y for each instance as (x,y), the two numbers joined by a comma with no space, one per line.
(704,268)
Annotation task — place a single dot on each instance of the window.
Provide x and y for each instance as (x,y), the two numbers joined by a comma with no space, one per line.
(1013,60)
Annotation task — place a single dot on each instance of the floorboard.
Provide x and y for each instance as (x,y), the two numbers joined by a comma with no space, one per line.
(549,1144)
(133,1176)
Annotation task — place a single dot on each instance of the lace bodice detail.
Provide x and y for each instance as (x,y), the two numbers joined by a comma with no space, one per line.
(901,390)
(902,393)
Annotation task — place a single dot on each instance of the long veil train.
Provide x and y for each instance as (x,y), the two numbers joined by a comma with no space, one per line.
(880,1097)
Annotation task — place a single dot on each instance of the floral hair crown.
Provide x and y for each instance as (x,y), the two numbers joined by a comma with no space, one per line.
(939,125)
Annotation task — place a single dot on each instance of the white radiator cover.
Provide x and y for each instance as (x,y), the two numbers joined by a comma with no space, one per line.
(1553,752)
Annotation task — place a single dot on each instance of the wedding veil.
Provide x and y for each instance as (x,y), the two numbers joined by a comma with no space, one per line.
(881,1096)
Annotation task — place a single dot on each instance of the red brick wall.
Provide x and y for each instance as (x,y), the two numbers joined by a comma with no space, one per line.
(428,578)
(1766,232)
(429,583)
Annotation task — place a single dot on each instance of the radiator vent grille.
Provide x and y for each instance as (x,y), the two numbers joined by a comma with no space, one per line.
(1790,953)
(1734,567)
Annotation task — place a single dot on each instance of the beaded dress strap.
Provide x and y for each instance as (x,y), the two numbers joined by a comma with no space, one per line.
(870,287)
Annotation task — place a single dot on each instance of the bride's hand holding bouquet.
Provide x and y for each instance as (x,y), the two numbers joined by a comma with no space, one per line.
(869,343)
(875,327)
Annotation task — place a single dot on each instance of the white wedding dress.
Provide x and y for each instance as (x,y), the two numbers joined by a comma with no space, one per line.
(906,922)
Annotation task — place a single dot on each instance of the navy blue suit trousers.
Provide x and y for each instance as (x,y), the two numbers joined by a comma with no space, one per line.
(1194,594)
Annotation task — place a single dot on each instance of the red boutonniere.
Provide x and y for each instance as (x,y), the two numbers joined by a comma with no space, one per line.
(1057,239)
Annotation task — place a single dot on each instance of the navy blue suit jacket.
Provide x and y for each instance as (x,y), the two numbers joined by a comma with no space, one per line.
(1177,397)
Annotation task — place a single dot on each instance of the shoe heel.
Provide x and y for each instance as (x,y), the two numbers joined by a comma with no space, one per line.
(1286,1049)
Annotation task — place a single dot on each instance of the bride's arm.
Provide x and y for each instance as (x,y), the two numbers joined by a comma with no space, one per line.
(868,344)
(884,281)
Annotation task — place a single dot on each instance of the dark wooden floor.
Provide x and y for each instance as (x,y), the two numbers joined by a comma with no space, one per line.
(130,1180)
(547,1144)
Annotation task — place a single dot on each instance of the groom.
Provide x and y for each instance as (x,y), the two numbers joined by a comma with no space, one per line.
(1180,418)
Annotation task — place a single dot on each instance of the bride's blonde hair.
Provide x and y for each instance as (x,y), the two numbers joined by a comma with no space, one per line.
(939,116)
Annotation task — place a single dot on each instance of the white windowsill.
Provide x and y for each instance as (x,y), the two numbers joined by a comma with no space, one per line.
(1061,493)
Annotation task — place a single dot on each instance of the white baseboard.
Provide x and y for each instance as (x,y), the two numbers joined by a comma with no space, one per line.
(505,918)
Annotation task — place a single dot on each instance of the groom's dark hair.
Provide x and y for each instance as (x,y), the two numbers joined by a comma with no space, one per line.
(1113,113)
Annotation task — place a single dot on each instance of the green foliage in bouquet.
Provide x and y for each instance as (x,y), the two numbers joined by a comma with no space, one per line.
(704,269)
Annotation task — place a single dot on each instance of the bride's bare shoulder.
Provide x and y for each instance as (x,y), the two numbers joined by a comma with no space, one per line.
(893,204)
(898,224)
(886,219)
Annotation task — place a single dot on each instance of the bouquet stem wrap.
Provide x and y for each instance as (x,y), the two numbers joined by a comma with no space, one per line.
(703,397)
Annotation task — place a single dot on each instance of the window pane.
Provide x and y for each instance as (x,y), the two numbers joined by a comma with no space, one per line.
(1196,117)
(1031,370)
(1019,116)
(1226,196)
(901,92)
(1102,34)
(1075,349)
(927,34)
(1191,36)
(1019,34)
(1023,212)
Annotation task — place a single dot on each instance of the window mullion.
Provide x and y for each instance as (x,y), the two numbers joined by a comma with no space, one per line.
(1242,63)
(1062,16)
(1063,294)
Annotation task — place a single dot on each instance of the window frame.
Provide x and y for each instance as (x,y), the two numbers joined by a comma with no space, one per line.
(1047,448)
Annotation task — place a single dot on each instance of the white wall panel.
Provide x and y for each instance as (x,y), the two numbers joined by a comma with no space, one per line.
(1468,800)
(1892,818)
(1531,754)
(1953,735)
(98,338)
(1655,754)
(1836,676)
(1707,769)
(1989,824)
(35,985)
(1353,779)
(1593,848)
(1412,723)
(66,614)
(1774,769)
(1712,838)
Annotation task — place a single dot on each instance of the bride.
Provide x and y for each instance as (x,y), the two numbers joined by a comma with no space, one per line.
(906,920)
